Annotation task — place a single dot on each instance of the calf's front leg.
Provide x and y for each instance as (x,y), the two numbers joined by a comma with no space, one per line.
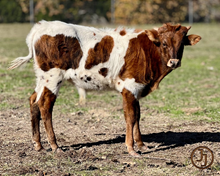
(132,117)
(136,130)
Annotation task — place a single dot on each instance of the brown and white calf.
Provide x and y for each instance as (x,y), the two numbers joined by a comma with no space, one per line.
(131,61)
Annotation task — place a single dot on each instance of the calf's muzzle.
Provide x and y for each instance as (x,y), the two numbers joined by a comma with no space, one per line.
(174,63)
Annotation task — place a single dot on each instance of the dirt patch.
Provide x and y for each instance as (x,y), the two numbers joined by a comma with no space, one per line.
(92,143)
(192,110)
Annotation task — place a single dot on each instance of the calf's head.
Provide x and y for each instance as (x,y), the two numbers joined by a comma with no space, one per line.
(171,40)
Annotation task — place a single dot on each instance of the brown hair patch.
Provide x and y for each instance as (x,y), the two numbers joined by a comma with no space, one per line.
(100,53)
(122,32)
(58,52)
(103,71)
(138,62)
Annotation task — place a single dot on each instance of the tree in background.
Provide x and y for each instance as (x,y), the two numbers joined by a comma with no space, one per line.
(11,11)
(161,11)
(150,11)
(99,11)
(48,9)
(88,11)
(74,11)
(207,11)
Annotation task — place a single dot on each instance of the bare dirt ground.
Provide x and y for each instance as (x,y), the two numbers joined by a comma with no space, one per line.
(93,143)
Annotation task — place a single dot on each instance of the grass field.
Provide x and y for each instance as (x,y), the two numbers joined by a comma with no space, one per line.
(190,91)
(189,94)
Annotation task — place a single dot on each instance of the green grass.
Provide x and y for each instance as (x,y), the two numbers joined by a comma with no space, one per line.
(191,91)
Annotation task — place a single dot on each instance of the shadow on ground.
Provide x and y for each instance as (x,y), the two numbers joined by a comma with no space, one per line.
(166,140)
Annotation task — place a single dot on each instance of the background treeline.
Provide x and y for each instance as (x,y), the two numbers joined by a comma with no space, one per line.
(101,11)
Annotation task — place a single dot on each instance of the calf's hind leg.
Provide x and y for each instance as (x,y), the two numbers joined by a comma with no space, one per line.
(82,96)
(46,103)
(35,121)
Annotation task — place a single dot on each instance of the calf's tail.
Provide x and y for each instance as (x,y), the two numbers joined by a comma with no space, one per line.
(21,60)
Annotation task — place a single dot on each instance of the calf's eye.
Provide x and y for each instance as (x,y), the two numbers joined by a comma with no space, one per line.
(164,44)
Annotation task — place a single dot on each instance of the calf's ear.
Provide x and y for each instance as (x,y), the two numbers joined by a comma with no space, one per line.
(192,39)
(153,36)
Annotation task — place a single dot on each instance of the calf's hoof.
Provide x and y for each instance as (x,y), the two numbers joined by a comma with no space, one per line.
(82,102)
(58,150)
(134,154)
(38,147)
(143,148)
(54,148)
